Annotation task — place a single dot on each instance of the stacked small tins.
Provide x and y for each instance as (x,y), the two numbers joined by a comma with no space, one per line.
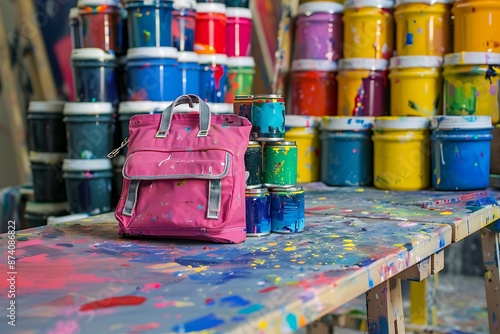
(47,145)
(274,202)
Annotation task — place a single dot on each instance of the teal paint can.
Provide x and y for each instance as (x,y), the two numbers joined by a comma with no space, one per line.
(280,164)
(268,118)
(37,214)
(89,129)
(46,129)
(48,181)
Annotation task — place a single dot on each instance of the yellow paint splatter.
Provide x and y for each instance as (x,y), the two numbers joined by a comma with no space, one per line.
(181,183)
(300,262)
(322,198)
(253,264)
(315,255)
(347,240)
(398,245)
(350,245)
(262,325)
(259,261)
(289,249)
(264,248)
(277,266)
(334,236)
(340,256)
(348,248)
(293,260)
(446,213)
(489,274)
(360,190)
(272,243)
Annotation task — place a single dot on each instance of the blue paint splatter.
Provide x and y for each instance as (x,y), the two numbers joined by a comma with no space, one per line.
(442,242)
(371,284)
(203,323)
(200,207)
(251,309)
(238,319)
(234,301)
(65,245)
(292,321)
(188,128)
(409,39)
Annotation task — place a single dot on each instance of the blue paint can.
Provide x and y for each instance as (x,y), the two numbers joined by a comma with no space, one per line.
(46,130)
(37,214)
(183,24)
(190,72)
(89,129)
(152,74)
(48,182)
(268,117)
(347,151)
(287,210)
(213,77)
(88,185)
(258,216)
(94,77)
(75,28)
(460,147)
(149,22)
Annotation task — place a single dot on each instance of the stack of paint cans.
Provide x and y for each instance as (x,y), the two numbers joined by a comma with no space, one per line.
(47,145)
(274,202)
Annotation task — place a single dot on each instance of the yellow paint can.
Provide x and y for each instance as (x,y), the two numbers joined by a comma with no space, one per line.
(304,131)
(401,153)
(476,25)
(416,85)
(471,84)
(368,29)
(423,27)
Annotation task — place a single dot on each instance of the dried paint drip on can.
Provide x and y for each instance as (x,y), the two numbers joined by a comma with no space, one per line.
(268,117)
(461,152)
(258,214)
(253,165)
(287,210)
(280,164)
(242,106)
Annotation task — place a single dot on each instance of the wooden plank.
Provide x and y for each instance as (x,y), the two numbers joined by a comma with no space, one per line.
(491,255)
(12,107)
(385,308)
(474,222)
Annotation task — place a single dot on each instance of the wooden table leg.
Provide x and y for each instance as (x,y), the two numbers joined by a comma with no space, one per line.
(384,305)
(491,255)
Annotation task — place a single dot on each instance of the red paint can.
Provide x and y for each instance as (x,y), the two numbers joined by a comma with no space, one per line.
(210,29)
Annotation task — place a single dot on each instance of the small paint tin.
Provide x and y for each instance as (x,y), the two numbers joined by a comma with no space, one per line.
(318,33)
(213,77)
(280,164)
(303,130)
(37,214)
(461,152)
(189,68)
(287,210)
(183,24)
(240,74)
(242,106)
(149,23)
(238,32)
(253,165)
(47,132)
(152,74)
(89,129)
(48,183)
(75,28)
(347,151)
(88,185)
(210,28)
(94,75)
(258,215)
(268,117)
(471,84)
(362,87)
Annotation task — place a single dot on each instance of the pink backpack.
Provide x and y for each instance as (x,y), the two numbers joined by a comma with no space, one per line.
(184,176)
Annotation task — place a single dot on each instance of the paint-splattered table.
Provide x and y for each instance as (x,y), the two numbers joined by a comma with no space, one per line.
(80,277)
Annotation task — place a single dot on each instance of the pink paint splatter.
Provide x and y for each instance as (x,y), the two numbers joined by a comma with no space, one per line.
(151,286)
(145,327)
(65,327)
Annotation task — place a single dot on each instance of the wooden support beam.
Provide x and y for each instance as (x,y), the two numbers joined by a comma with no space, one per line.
(384,305)
(491,253)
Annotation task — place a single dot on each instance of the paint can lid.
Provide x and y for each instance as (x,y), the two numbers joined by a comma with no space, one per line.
(184,4)
(281,143)
(214,59)
(142,107)
(298,121)
(82,165)
(285,189)
(369,3)
(88,108)
(152,52)
(429,2)
(240,62)
(46,106)
(210,7)
(47,158)
(343,123)
(472,58)
(401,123)
(92,54)
(221,108)
(73,13)
(416,61)
(239,12)
(243,97)
(256,191)
(309,8)
(187,57)
(314,65)
(46,209)
(267,96)
(373,64)
(253,142)
(118,161)
(461,122)
(52,220)
(84,3)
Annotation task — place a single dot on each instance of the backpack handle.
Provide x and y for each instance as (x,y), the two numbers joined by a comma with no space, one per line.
(166,116)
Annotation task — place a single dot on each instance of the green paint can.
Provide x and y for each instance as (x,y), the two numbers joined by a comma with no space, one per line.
(280,164)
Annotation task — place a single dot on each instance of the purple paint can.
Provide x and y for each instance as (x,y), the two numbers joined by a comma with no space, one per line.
(319,32)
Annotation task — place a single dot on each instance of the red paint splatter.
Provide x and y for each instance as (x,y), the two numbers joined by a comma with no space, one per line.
(266,290)
(112,302)
(145,327)
(151,286)
(125,265)
(209,301)
(319,208)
